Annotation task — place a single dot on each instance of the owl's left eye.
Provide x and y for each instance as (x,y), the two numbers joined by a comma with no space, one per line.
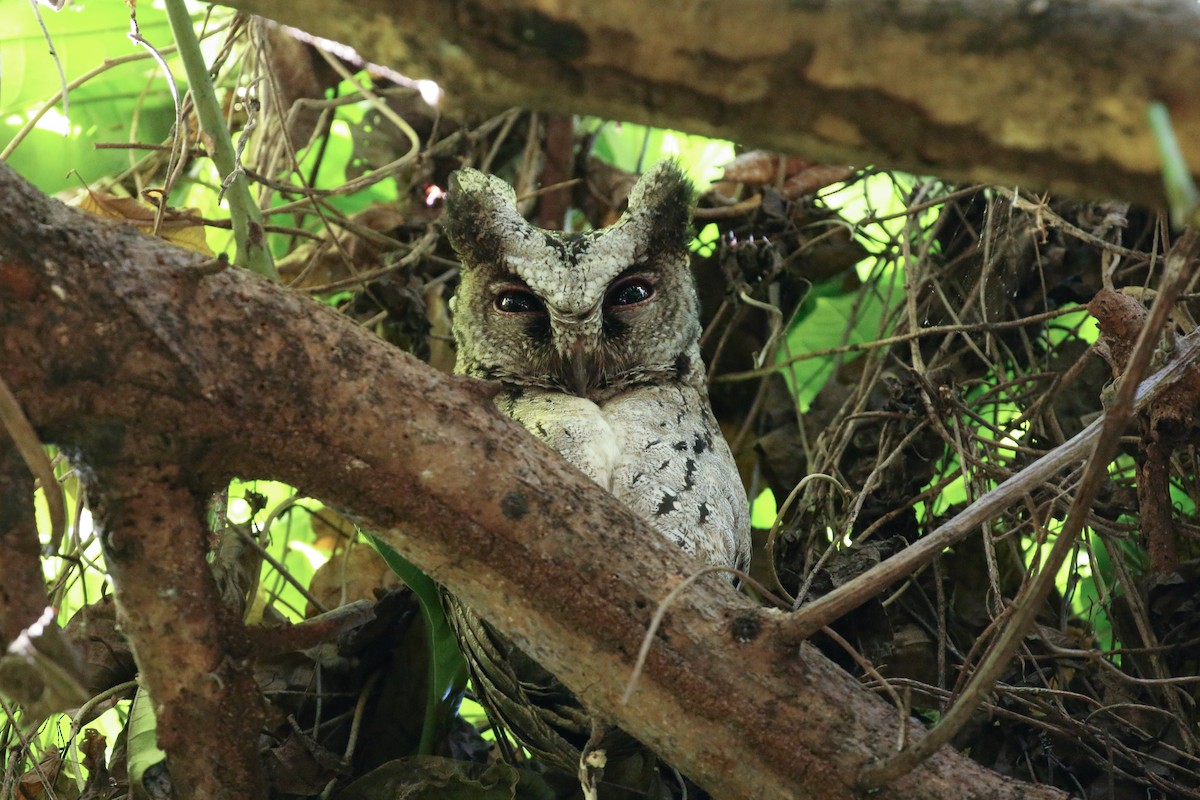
(518,301)
(629,292)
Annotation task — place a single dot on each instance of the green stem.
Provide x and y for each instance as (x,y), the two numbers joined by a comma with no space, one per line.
(244,213)
(1182,194)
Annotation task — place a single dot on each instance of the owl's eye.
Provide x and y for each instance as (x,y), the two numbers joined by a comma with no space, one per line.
(629,292)
(518,301)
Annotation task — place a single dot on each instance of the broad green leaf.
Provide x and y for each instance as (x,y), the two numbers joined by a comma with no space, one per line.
(447,671)
(84,34)
(144,753)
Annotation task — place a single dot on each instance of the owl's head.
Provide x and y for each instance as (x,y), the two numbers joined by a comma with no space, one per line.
(583,313)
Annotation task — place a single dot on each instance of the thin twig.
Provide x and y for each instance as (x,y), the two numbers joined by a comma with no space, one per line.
(1033,597)
(661,612)
(34,454)
(857,591)
(875,344)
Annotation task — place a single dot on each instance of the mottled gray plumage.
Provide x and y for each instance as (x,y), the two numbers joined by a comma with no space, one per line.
(594,339)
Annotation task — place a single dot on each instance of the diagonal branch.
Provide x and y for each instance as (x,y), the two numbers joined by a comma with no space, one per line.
(861,588)
(125,352)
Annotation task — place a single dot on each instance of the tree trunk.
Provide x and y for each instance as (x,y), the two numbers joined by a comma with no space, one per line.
(1045,95)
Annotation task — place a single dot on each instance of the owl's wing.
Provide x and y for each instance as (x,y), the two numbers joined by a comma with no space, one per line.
(676,471)
(534,706)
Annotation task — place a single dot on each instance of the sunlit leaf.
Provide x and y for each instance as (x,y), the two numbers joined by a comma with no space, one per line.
(179,226)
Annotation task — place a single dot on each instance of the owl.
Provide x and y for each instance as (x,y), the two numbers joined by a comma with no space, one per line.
(594,339)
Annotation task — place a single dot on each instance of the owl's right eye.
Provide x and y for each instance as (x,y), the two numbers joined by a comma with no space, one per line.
(518,301)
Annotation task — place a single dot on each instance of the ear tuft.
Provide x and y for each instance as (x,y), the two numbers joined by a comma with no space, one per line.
(662,201)
(480,211)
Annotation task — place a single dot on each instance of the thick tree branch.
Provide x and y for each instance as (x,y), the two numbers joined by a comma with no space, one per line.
(1046,95)
(125,353)
(191,650)
(23,591)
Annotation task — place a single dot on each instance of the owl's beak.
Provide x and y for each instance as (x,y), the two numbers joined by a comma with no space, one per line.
(576,336)
(578,365)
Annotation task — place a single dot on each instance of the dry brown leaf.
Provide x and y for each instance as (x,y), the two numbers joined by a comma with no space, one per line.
(180,226)
(800,177)
(331,531)
(47,779)
(760,167)
(814,178)
(346,578)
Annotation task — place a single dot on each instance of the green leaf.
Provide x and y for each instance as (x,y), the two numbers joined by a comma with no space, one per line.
(100,110)
(1182,194)
(144,753)
(633,147)
(447,676)
(826,322)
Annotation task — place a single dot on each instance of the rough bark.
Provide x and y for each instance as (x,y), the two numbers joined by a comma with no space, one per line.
(152,372)
(23,590)
(1046,95)
(191,650)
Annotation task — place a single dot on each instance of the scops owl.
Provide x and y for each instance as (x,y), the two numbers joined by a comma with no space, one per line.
(594,339)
